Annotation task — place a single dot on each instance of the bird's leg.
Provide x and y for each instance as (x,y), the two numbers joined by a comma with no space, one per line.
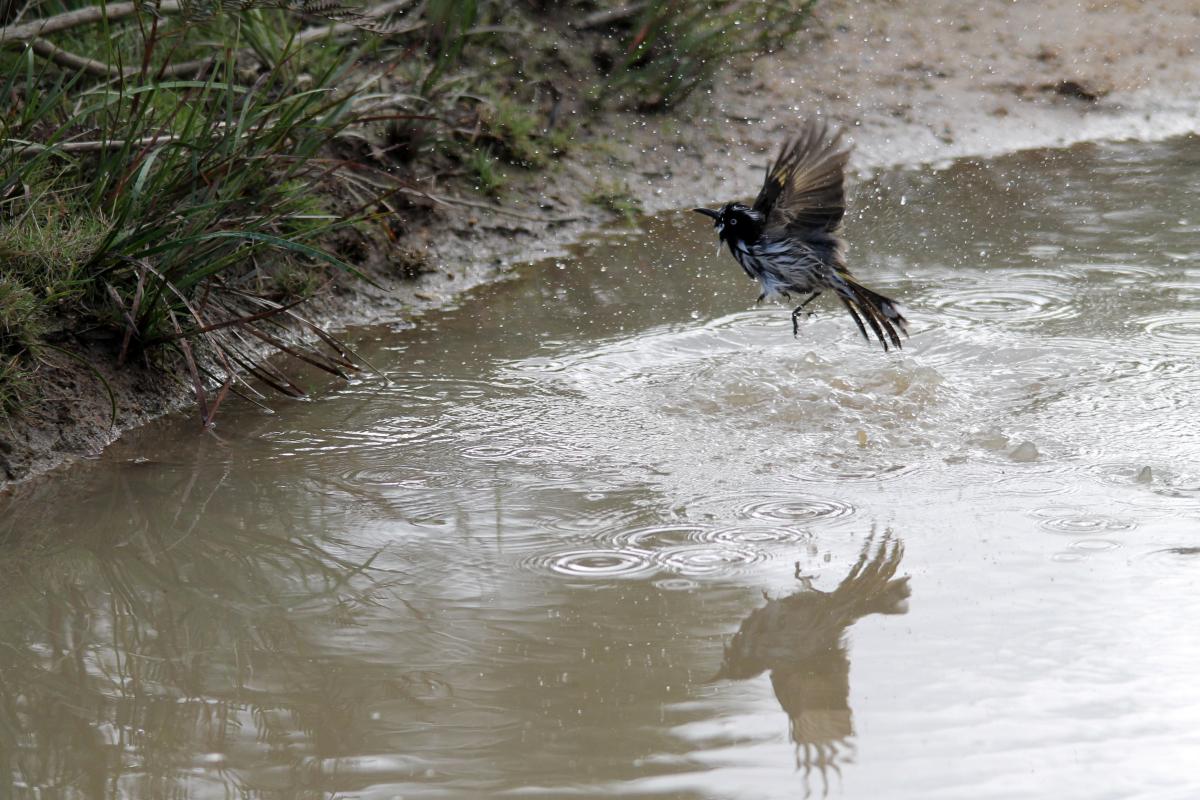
(806,581)
(761,297)
(799,309)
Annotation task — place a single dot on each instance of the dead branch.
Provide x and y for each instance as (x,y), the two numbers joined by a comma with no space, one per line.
(90,15)
(91,65)
(29,31)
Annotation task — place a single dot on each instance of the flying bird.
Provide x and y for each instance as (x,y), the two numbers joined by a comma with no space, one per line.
(788,240)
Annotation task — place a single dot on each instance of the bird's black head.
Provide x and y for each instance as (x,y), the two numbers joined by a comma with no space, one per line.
(735,221)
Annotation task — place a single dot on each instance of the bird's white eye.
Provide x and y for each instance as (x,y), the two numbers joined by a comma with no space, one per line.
(733,221)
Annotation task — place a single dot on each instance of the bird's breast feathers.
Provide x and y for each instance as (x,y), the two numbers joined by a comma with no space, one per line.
(775,284)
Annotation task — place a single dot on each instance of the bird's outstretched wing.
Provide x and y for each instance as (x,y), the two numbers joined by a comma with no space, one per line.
(803,190)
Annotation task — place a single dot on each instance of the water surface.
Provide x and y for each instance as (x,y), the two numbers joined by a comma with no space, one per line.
(609,530)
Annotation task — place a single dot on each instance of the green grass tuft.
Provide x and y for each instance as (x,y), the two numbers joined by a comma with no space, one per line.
(47,248)
(673,47)
(486,172)
(516,132)
(616,198)
(144,204)
(22,323)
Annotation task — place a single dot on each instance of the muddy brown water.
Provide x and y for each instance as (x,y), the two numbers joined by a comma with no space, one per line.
(610,531)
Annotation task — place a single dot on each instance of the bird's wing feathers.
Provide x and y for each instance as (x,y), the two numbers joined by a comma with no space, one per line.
(803,190)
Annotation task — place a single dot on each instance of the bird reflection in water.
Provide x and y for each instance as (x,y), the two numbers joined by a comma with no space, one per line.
(800,639)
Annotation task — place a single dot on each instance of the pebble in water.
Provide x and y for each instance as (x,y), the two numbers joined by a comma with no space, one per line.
(1024,452)
(1145,475)
(990,439)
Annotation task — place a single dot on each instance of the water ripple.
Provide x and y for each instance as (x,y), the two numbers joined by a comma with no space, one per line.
(783,505)
(1177,329)
(656,537)
(707,560)
(1121,273)
(797,509)
(1094,545)
(1172,559)
(491,452)
(689,551)
(1023,304)
(676,584)
(1075,522)
(855,473)
(596,563)
(1118,473)
(758,535)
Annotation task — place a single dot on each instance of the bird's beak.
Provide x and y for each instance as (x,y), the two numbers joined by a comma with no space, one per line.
(716,215)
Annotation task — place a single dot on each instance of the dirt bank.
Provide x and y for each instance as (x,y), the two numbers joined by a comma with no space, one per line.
(916,82)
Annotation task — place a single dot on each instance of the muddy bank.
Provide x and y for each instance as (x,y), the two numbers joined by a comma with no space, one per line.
(914,82)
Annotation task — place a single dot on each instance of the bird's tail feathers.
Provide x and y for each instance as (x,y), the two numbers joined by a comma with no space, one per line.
(881,313)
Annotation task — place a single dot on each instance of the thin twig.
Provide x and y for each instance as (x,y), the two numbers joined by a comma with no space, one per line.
(197,382)
(195,67)
(74,19)
(315,359)
(603,19)
(91,146)
(68,59)
(216,326)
